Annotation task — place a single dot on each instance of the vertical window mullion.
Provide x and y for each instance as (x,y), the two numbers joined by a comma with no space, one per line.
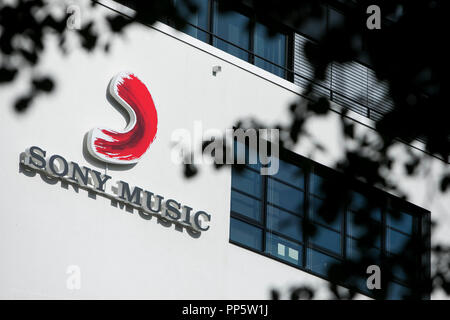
(211,10)
(383,244)
(264,210)
(306,207)
(251,48)
(344,231)
(289,57)
(418,238)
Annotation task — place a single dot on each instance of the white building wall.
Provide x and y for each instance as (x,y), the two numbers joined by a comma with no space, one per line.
(44,227)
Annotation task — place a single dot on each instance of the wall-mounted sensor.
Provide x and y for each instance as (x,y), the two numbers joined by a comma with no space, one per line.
(216,69)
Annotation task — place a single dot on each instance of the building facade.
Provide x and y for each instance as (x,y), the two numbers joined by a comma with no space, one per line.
(237,234)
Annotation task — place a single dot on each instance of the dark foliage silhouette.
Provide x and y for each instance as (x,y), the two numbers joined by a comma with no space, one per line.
(409,52)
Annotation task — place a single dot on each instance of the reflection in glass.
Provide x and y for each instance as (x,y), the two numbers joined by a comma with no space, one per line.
(317,185)
(357,251)
(199,19)
(246,234)
(248,181)
(285,196)
(315,26)
(358,229)
(291,174)
(400,221)
(319,216)
(284,222)
(233,27)
(327,239)
(396,242)
(245,154)
(360,203)
(246,206)
(397,291)
(319,262)
(272,48)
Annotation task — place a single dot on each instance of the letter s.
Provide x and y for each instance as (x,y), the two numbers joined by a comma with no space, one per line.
(39,156)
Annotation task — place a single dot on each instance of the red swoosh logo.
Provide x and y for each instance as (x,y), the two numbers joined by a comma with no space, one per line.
(128,145)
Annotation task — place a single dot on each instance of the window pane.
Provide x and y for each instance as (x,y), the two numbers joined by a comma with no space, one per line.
(199,19)
(247,181)
(285,196)
(397,291)
(398,270)
(400,221)
(361,284)
(283,249)
(290,173)
(245,155)
(315,26)
(362,228)
(319,262)
(327,239)
(360,203)
(233,27)
(335,18)
(246,234)
(272,48)
(317,185)
(246,206)
(284,222)
(396,241)
(357,251)
(319,216)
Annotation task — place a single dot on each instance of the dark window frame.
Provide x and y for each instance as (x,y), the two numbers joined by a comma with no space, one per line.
(421,224)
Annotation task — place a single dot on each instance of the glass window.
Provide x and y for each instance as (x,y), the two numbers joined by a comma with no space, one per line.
(400,221)
(284,249)
(244,154)
(272,48)
(285,196)
(319,262)
(246,234)
(238,35)
(335,19)
(358,228)
(291,174)
(284,222)
(317,185)
(396,242)
(327,239)
(279,214)
(247,181)
(360,203)
(198,19)
(397,291)
(233,27)
(315,25)
(357,251)
(246,206)
(360,282)
(400,272)
(319,214)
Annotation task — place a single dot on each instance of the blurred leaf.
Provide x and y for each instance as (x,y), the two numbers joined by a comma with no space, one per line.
(445,183)
(45,84)
(23,103)
(320,107)
(7,74)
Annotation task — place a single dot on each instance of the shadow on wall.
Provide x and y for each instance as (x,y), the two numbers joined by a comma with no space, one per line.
(29,172)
